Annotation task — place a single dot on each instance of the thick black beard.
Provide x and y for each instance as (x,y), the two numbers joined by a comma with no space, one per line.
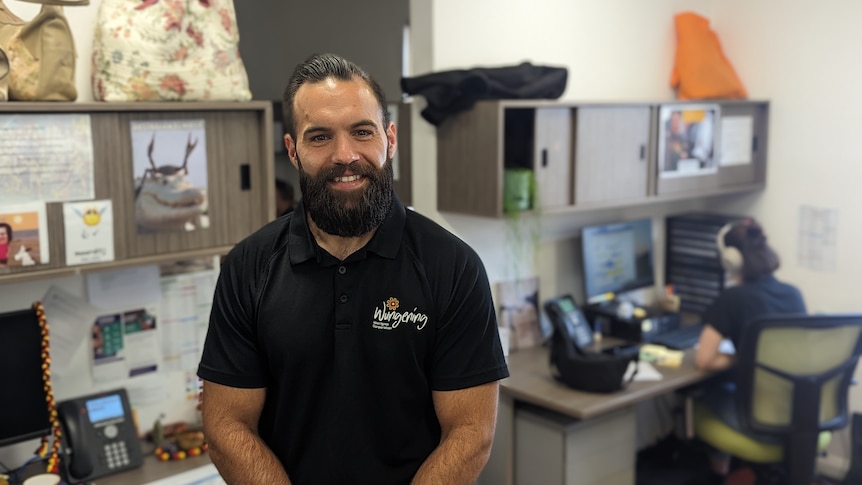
(347,214)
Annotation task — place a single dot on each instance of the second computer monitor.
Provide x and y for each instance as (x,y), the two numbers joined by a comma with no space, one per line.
(617,257)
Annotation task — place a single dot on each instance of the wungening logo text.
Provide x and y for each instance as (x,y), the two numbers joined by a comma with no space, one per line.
(387,316)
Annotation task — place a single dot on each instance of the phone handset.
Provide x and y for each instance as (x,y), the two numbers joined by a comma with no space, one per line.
(99,435)
(573,328)
(81,460)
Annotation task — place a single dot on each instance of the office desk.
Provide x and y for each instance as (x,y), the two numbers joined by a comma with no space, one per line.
(153,470)
(531,387)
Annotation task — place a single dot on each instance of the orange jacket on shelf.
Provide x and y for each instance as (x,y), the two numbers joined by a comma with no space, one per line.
(701,70)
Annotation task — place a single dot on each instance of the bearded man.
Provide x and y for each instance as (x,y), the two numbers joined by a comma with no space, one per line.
(351,341)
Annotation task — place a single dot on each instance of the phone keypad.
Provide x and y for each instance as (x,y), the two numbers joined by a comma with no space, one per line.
(116,454)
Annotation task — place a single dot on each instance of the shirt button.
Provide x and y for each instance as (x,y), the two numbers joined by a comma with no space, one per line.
(343,298)
(342,270)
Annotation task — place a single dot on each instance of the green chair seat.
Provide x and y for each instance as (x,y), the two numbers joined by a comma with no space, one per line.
(712,430)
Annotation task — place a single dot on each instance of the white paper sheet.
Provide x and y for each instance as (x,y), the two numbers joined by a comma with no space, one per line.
(818,238)
(124,288)
(69,318)
(205,475)
(736,138)
(45,157)
(647,372)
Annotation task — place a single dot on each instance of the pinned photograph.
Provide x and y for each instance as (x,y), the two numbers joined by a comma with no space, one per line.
(519,312)
(170,175)
(89,228)
(687,140)
(23,235)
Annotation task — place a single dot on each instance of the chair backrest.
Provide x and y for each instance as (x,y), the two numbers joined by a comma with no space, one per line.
(793,376)
(795,370)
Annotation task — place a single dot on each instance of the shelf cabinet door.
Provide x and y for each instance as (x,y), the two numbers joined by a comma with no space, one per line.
(552,156)
(611,147)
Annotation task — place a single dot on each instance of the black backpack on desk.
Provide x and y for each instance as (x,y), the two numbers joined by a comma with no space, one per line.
(591,372)
(575,365)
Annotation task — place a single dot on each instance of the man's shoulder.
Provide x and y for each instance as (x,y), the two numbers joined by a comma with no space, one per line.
(428,234)
(265,241)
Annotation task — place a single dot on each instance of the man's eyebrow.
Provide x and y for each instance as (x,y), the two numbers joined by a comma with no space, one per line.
(314,130)
(362,123)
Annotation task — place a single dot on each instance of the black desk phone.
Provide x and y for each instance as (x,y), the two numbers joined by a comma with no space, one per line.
(569,320)
(99,436)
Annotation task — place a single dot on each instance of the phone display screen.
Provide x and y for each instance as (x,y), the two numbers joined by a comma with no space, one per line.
(103,408)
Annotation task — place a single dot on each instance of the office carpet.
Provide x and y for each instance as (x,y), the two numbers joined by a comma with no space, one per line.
(672,461)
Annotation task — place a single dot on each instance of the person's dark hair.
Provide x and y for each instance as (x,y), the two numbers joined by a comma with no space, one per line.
(8,229)
(758,258)
(317,68)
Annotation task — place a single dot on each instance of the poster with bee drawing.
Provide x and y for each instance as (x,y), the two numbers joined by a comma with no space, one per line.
(170,175)
(89,230)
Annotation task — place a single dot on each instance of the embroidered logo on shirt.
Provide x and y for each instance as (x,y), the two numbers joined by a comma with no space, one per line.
(387,316)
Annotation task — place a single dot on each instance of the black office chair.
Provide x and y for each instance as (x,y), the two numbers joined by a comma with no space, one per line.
(793,376)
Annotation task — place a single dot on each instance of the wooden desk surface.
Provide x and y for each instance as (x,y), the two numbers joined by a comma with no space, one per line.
(530,381)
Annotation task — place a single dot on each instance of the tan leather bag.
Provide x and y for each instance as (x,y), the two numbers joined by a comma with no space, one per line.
(41,54)
(4,76)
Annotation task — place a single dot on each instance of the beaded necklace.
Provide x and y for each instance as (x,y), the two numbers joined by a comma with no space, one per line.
(56,432)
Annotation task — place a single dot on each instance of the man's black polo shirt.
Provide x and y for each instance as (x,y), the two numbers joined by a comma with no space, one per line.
(350,351)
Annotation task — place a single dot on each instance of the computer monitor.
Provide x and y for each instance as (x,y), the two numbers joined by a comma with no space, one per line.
(617,258)
(23,408)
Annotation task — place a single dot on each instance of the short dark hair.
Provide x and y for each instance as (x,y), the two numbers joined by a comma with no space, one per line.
(758,258)
(8,229)
(318,68)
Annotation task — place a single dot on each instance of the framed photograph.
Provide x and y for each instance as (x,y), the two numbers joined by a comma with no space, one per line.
(688,135)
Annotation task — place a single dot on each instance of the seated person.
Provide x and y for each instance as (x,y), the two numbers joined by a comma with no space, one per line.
(749,263)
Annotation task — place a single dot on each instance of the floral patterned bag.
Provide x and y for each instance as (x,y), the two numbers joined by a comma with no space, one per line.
(168,50)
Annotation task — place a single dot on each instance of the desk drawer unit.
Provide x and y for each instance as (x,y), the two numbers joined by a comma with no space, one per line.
(554,449)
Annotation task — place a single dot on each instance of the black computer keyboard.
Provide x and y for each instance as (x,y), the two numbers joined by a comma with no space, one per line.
(681,338)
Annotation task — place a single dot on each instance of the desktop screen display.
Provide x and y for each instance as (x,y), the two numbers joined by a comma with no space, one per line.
(617,258)
(23,408)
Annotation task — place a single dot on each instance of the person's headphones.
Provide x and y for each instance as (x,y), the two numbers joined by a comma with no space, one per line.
(731,257)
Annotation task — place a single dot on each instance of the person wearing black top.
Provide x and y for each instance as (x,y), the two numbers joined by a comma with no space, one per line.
(351,340)
(755,292)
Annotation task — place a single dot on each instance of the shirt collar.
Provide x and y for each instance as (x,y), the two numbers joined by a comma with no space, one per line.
(385,243)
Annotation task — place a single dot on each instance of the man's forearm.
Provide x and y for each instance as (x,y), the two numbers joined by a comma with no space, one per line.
(458,460)
(243,458)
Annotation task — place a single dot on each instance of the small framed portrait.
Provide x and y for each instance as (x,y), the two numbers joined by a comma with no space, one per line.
(687,140)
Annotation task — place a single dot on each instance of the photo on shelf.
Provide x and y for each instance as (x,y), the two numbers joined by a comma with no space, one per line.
(687,140)
(170,175)
(23,235)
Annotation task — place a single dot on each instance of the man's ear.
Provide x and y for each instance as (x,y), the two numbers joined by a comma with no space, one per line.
(290,145)
(392,136)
